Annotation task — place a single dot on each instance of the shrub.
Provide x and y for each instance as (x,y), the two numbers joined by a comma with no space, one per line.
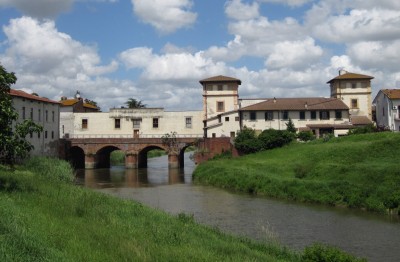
(363,130)
(305,136)
(321,252)
(246,141)
(271,138)
(301,170)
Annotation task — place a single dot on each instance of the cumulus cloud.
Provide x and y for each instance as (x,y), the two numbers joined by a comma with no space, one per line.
(166,16)
(48,61)
(294,54)
(43,8)
(237,10)
(366,25)
(288,2)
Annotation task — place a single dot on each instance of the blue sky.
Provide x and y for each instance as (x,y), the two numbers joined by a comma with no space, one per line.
(157,50)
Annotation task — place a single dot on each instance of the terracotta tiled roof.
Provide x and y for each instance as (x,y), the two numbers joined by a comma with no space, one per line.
(220,78)
(360,120)
(306,103)
(20,93)
(69,102)
(349,76)
(392,93)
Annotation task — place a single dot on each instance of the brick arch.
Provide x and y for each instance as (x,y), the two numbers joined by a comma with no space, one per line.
(142,154)
(76,156)
(102,156)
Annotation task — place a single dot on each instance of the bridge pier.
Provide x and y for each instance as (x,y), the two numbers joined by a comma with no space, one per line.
(90,161)
(173,160)
(131,160)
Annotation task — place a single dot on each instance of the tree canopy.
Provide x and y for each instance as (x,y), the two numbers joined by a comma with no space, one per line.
(13,144)
(134,103)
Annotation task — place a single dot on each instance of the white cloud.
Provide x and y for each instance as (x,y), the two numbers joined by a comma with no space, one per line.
(292,3)
(360,25)
(235,9)
(294,54)
(166,16)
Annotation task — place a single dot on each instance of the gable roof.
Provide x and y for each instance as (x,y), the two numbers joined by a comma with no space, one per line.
(392,93)
(305,103)
(349,76)
(220,78)
(20,93)
(73,101)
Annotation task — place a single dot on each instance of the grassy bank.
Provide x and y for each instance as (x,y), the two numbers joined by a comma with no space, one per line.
(44,217)
(359,171)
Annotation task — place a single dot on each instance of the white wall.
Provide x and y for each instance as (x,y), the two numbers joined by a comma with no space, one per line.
(45,146)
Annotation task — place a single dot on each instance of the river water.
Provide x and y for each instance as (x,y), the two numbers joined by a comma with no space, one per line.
(295,225)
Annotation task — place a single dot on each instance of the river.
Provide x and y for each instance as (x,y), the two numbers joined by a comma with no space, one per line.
(295,225)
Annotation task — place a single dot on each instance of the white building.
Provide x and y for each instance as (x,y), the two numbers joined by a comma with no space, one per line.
(44,112)
(387,104)
(138,123)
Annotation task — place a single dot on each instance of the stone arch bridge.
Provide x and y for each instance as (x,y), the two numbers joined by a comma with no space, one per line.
(92,153)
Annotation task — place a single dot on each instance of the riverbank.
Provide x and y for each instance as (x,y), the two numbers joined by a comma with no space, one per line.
(358,171)
(44,217)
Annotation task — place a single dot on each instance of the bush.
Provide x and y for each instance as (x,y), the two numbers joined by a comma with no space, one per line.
(321,252)
(246,141)
(271,138)
(305,136)
(363,130)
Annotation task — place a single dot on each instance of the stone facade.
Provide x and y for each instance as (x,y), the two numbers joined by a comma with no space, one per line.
(387,104)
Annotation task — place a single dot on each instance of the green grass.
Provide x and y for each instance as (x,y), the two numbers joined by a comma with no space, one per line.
(44,217)
(359,171)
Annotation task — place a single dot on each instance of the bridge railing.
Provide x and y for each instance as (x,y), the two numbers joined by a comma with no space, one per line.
(130,136)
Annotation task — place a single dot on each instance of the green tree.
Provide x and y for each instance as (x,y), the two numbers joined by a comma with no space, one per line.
(290,126)
(134,103)
(13,144)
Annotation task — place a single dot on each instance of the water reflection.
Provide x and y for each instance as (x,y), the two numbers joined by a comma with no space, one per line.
(116,177)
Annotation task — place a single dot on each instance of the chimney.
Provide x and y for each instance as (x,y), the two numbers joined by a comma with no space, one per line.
(274,100)
(342,72)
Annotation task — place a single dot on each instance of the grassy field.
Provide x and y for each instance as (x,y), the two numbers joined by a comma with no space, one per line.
(360,171)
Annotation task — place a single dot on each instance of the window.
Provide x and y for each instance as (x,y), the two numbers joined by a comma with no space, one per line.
(47,116)
(220,106)
(31,135)
(155,122)
(253,116)
(269,115)
(136,122)
(63,129)
(236,118)
(214,135)
(227,119)
(39,115)
(31,113)
(383,111)
(353,85)
(220,88)
(313,114)
(117,123)
(23,112)
(38,135)
(52,134)
(52,116)
(188,122)
(324,115)
(338,114)
(45,134)
(84,123)
(302,115)
(232,134)
(354,103)
(285,115)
